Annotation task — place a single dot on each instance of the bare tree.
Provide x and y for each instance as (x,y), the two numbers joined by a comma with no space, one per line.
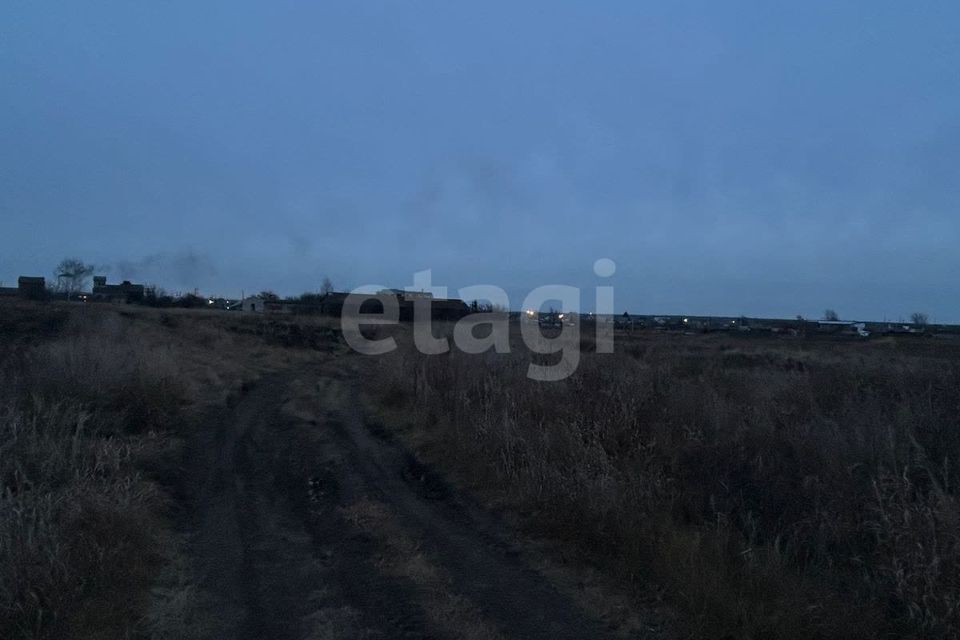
(72,275)
(327,287)
(268,295)
(919,318)
(830,315)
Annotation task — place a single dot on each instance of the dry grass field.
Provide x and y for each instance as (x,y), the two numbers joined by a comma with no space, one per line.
(94,402)
(760,487)
(773,488)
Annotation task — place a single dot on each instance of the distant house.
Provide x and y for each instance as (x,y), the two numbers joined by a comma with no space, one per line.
(124,292)
(258,304)
(29,288)
(843,327)
(252,304)
(440,308)
(331,304)
(831,326)
(904,329)
(32,288)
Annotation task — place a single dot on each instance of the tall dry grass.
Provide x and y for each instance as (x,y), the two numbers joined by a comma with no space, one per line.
(776,491)
(79,524)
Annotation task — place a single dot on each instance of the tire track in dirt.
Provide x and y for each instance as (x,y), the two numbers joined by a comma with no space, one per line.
(308,524)
(262,573)
(483,567)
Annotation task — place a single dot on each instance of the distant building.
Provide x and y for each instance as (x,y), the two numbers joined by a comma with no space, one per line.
(257,304)
(331,304)
(32,288)
(440,308)
(29,288)
(843,327)
(124,292)
(904,329)
(448,309)
(253,304)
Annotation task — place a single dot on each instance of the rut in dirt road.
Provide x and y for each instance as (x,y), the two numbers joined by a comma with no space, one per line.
(308,525)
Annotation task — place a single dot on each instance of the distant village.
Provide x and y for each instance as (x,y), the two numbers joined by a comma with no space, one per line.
(326,303)
(330,303)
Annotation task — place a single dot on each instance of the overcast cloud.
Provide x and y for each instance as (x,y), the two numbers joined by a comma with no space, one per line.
(738,157)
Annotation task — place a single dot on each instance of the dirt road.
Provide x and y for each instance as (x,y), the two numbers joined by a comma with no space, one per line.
(305,522)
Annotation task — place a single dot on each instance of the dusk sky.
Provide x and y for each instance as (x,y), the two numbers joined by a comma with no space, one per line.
(758,158)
